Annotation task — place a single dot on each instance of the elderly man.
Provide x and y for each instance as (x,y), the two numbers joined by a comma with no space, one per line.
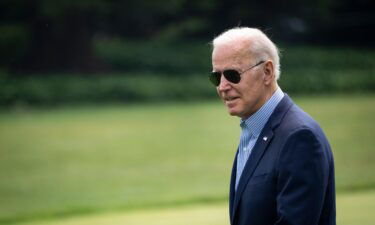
(283,170)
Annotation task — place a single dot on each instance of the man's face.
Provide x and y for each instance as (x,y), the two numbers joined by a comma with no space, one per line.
(246,97)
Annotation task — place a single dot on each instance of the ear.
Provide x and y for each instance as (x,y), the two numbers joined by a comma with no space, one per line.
(269,72)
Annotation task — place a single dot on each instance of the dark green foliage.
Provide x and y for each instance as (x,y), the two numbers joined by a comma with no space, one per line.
(327,69)
(52,90)
(178,72)
(56,36)
(179,58)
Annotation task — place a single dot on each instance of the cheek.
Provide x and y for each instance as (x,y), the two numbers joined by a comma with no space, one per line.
(251,90)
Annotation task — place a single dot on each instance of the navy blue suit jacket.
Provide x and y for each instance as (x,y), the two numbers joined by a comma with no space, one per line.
(289,176)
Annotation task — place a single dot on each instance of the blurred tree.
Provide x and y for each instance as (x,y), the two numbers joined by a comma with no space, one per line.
(57,35)
(161,19)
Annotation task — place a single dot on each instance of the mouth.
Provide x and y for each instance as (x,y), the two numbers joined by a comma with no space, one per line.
(230,99)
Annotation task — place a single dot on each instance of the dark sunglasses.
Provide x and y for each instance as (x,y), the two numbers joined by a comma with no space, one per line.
(232,76)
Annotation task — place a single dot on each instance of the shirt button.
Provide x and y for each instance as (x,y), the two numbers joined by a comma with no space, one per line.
(245,149)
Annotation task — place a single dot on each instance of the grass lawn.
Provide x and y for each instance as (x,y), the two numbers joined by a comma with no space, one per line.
(348,213)
(67,161)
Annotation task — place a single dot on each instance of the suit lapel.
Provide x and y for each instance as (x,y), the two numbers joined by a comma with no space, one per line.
(254,158)
(232,187)
(256,155)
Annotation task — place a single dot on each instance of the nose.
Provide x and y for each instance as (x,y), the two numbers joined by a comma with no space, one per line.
(224,84)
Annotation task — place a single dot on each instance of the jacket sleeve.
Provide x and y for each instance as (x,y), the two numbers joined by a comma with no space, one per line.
(302,177)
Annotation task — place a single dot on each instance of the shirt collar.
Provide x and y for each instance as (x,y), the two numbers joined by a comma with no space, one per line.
(255,123)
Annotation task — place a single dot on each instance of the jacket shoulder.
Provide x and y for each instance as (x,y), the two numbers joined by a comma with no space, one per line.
(295,121)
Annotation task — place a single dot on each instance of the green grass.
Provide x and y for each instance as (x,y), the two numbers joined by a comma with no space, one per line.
(348,213)
(58,162)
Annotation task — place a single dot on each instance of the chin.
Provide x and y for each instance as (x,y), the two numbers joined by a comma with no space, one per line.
(233,112)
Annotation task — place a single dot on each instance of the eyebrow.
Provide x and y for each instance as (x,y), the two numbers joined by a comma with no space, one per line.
(238,70)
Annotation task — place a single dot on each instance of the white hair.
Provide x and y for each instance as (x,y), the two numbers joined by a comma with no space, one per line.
(261,46)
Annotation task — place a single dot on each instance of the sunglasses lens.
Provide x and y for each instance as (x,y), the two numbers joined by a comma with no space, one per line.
(232,76)
(215,78)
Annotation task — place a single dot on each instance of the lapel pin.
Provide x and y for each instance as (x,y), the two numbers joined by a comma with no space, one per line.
(265,138)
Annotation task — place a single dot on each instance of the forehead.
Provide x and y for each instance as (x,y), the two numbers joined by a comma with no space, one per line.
(230,55)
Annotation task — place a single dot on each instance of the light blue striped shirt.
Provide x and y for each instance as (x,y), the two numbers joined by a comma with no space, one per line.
(251,128)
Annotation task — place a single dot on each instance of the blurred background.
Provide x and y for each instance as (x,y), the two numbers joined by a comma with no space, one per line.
(107,115)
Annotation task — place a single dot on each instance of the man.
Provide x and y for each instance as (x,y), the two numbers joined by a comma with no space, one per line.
(283,171)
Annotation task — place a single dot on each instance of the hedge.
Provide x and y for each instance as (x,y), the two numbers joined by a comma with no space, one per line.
(154,71)
(130,88)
